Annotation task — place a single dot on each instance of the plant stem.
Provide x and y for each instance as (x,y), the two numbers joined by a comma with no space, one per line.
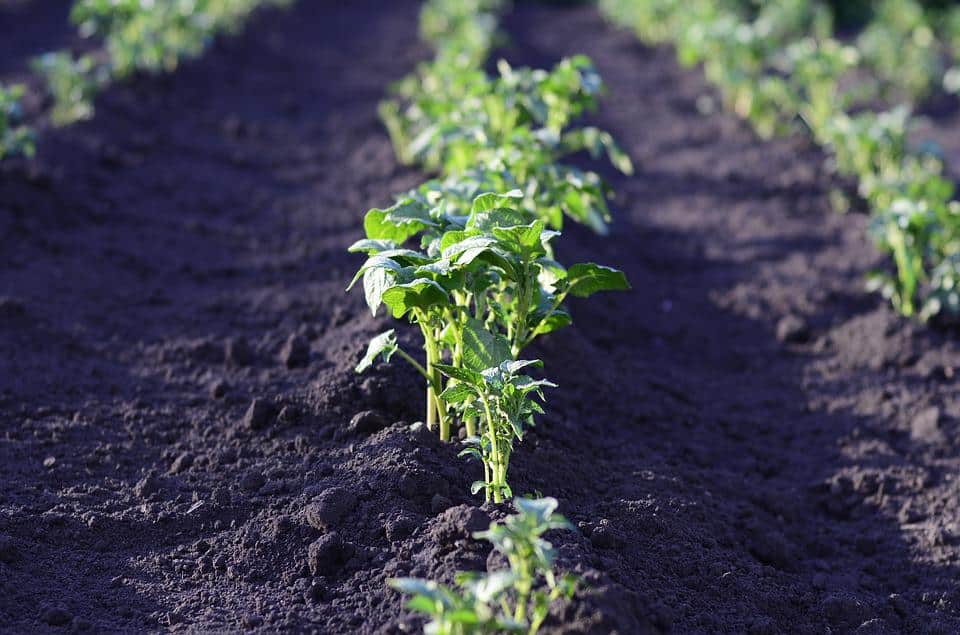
(494,452)
(414,363)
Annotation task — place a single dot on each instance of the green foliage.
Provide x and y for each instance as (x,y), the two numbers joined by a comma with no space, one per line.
(469,256)
(481,287)
(16,138)
(137,36)
(899,46)
(777,65)
(512,600)
(499,133)
(73,83)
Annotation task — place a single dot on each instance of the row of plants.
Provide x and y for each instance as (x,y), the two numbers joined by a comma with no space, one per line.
(781,68)
(472,258)
(132,36)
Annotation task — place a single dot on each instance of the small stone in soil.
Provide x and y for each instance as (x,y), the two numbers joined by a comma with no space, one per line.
(49,462)
(326,554)
(327,510)
(295,352)
(252,621)
(219,388)
(925,426)
(259,414)
(181,463)
(367,422)
(147,486)
(792,330)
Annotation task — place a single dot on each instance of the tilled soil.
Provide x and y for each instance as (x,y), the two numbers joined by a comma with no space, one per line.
(747,441)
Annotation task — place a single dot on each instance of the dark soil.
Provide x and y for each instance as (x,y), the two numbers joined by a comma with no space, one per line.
(748,441)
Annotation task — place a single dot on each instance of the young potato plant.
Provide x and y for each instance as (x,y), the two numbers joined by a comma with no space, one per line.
(514,600)
(900,47)
(462,31)
(508,132)
(73,83)
(503,401)
(16,138)
(481,287)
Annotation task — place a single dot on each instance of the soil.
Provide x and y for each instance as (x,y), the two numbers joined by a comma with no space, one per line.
(747,441)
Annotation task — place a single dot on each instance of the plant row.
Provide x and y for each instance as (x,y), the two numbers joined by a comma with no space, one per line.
(133,37)
(781,68)
(472,259)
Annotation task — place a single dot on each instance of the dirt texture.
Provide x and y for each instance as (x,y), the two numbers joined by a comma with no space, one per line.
(747,441)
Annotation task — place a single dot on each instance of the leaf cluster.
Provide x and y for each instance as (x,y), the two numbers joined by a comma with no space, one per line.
(16,138)
(511,600)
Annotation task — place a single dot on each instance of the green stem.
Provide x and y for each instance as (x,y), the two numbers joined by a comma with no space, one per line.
(414,363)
(434,387)
(494,453)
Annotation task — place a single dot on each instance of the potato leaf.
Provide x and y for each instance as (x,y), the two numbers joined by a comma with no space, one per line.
(384,345)
(481,348)
(585,279)
(421,293)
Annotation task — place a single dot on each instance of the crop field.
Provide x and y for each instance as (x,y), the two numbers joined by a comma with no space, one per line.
(479,316)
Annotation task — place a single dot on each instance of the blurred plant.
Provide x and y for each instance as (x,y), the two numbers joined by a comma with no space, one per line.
(138,36)
(16,138)
(512,600)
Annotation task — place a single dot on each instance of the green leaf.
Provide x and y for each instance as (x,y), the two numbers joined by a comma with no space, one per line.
(468,249)
(492,200)
(375,262)
(371,246)
(481,348)
(457,393)
(541,508)
(476,486)
(585,279)
(421,293)
(415,586)
(514,366)
(489,587)
(423,604)
(521,237)
(384,344)
(465,375)
(397,223)
(375,282)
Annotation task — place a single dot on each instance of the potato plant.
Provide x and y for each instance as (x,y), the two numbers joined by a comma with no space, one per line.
(514,600)
(469,257)
(16,138)
(507,132)
(481,287)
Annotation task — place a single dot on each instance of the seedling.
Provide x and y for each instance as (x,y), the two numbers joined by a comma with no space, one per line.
(513,600)
(507,132)
(481,288)
(16,138)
